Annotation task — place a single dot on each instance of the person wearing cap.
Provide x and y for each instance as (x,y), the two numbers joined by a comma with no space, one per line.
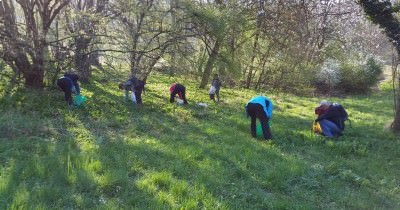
(177,89)
(329,119)
(69,84)
(260,107)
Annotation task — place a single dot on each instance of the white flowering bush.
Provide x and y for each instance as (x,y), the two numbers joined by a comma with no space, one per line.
(352,76)
(329,76)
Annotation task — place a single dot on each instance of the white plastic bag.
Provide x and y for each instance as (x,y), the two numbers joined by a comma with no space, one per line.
(212,90)
(133,97)
(179,101)
(202,105)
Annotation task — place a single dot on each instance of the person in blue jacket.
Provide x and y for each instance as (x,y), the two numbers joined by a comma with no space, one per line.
(260,107)
(69,84)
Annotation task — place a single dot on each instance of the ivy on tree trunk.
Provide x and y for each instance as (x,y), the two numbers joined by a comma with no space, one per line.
(382,13)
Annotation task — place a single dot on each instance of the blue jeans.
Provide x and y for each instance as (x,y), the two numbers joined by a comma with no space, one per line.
(329,128)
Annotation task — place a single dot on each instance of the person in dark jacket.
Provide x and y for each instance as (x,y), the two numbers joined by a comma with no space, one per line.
(179,89)
(215,87)
(69,84)
(260,107)
(330,119)
(136,86)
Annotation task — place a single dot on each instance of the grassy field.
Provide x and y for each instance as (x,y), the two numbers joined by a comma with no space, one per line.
(112,155)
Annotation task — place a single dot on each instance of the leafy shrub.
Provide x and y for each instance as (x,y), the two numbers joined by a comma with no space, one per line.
(348,76)
(359,78)
(4,75)
(2,65)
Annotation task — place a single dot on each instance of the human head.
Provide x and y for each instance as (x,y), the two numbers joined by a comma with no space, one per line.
(325,103)
(215,76)
(121,86)
(71,71)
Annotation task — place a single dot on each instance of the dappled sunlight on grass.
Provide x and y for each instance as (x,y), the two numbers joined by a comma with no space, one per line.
(112,154)
(178,193)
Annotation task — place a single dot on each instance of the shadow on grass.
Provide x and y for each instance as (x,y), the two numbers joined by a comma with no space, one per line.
(111,154)
(163,152)
(34,156)
(187,124)
(45,164)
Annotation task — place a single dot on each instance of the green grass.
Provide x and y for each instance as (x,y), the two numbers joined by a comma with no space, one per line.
(112,155)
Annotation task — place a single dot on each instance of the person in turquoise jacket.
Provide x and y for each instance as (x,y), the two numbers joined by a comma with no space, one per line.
(260,107)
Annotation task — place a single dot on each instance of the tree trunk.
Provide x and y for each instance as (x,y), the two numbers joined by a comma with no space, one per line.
(261,77)
(82,59)
(33,73)
(94,59)
(209,65)
(34,20)
(58,55)
(250,74)
(396,122)
(134,64)
(34,78)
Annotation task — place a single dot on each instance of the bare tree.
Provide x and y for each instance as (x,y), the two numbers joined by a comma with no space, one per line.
(23,36)
(143,33)
(83,22)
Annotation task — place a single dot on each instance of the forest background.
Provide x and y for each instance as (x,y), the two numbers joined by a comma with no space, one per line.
(110,154)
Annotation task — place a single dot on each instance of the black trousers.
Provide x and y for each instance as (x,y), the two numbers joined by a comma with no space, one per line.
(138,96)
(65,85)
(256,111)
(179,89)
(212,96)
